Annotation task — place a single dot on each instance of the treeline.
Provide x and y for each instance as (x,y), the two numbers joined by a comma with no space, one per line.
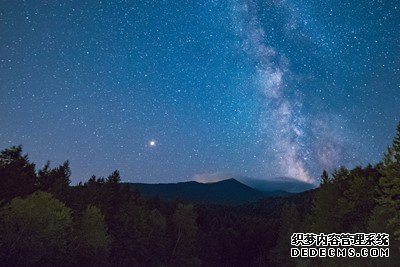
(45,221)
(361,200)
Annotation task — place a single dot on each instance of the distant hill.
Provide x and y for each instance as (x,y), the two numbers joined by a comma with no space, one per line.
(283,184)
(228,191)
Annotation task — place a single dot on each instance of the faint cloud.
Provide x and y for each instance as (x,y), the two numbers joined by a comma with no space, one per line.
(211,177)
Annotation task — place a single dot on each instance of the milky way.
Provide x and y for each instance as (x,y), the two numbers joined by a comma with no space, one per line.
(169,91)
(282,118)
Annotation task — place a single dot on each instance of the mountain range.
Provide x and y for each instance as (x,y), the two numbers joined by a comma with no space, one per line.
(230,191)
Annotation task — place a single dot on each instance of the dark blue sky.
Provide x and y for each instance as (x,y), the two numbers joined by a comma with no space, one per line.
(239,87)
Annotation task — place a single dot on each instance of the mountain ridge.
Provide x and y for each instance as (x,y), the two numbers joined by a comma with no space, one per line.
(228,191)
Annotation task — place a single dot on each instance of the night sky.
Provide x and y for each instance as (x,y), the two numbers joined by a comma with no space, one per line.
(168,91)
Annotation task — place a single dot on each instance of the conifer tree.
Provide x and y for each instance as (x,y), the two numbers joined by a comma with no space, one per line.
(17,174)
(55,181)
(324,211)
(389,185)
(325,179)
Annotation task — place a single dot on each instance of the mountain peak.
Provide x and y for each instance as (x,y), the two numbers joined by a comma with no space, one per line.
(232,181)
(223,181)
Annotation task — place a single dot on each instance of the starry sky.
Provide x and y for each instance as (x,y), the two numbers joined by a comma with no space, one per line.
(175,90)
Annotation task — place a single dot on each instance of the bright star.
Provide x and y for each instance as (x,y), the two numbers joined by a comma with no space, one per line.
(152,143)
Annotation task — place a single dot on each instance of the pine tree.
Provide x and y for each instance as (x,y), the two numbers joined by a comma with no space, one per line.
(324,214)
(386,215)
(55,181)
(356,203)
(325,179)
(389,185)
(17,174)
(114,178)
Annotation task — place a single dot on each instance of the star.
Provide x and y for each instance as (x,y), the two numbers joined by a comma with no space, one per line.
(152,143)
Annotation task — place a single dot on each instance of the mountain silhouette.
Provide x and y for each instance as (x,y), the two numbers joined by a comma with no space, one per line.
(228,191)
(284,184)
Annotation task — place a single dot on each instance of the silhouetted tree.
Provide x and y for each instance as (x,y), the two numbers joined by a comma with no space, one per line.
(55,181)
(386,215)
(17,174)
(389,185)
(114,178)
(324,215)
(325,179)
(357,201)
(112,197)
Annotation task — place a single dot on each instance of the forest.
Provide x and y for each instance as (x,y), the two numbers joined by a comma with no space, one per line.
(45,221)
